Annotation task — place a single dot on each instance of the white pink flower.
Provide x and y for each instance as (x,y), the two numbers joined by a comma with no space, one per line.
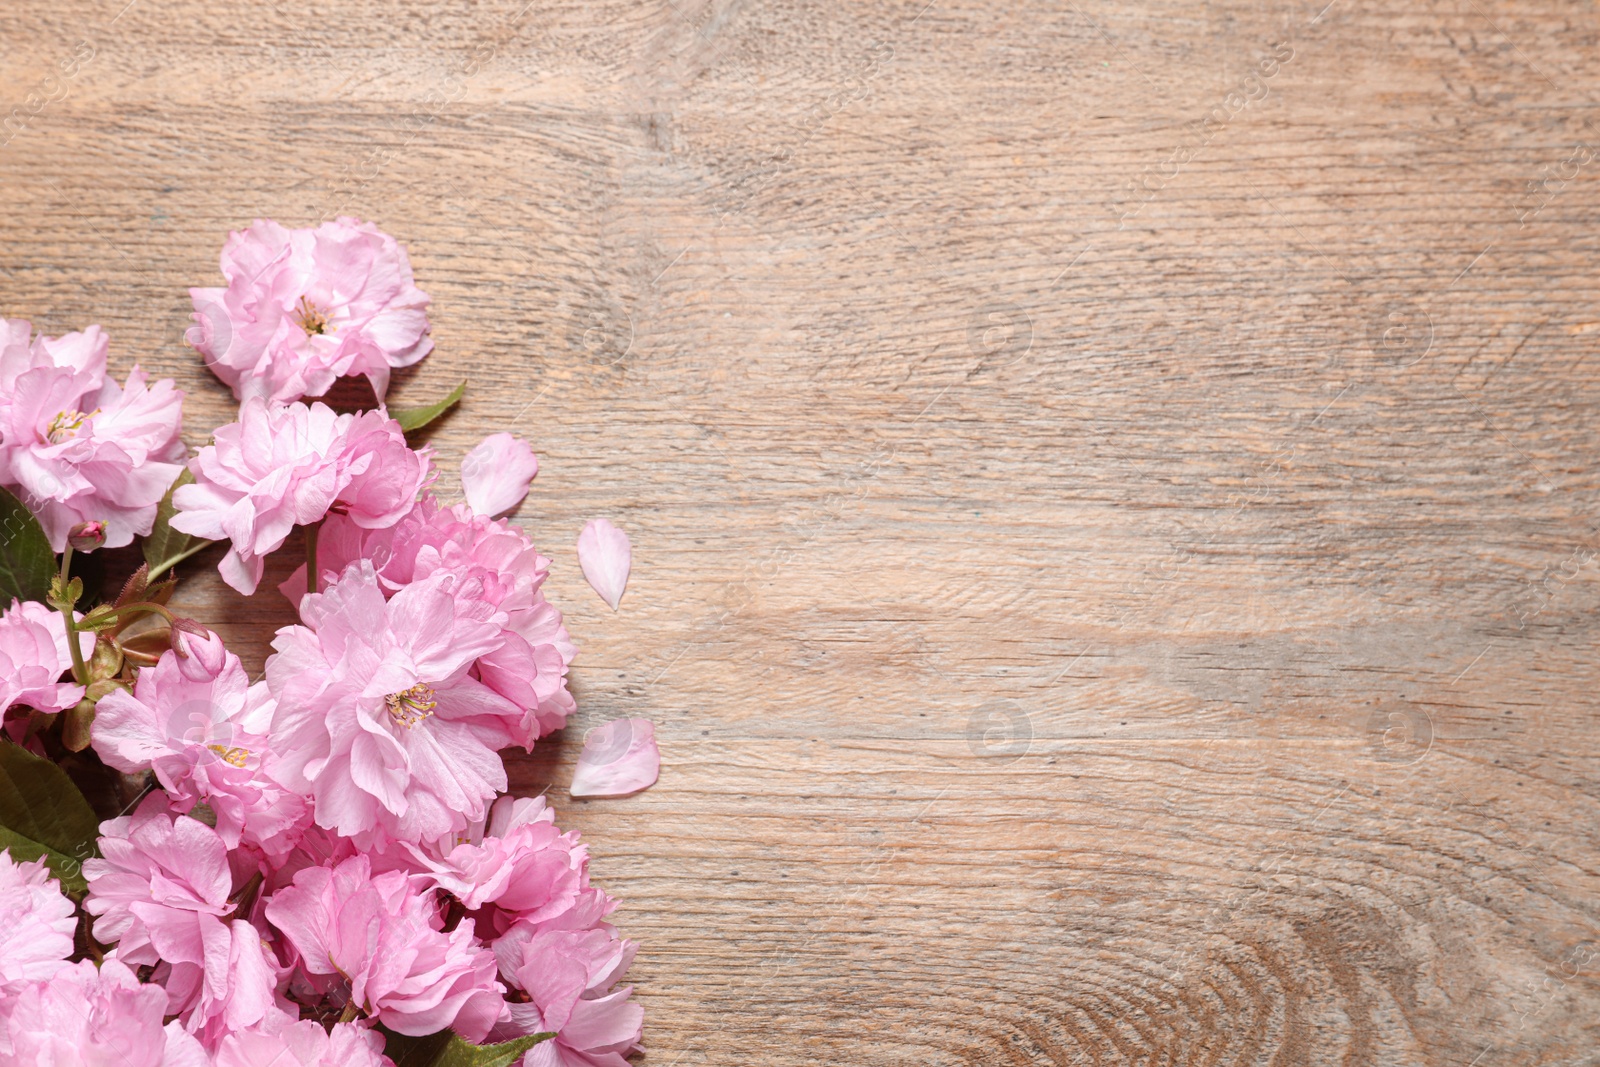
(304,307)
(158,874)
(568,977)
(163,892)
(88,1016)
(494,560)
(76,447)
(378,716)
(522,869)
(36,924)
(199,723)
(378,942)
(282,466)
(566,964)
(303,1044)
(34,655)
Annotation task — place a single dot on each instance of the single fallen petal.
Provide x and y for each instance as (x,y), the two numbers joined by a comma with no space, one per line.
(606,557)
(618,758)
(496,474)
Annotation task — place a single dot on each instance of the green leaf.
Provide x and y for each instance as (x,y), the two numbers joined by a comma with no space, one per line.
(26,562)
(416,418)
(43,814)
(445,1049)
(165,548)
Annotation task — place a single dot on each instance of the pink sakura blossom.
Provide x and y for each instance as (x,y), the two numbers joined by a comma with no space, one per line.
(567,963)
(34,655)
(324,848)
(282,466)
(378,942)
(77,448)
(163,892)
(88,1016)
(36,924)
(528,665)
(304,307)
(618,758)
(606,557)
(303,1044)
(378,717)
(522,869)
(199,723)
(568,977)
(15,355)
(496,474)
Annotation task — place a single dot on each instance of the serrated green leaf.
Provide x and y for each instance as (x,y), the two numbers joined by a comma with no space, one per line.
(165,547)
(63,868)
(43,814)
(446,1049)
(26,562)
(416,418)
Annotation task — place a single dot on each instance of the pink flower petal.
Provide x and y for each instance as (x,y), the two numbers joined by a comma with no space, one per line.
(606,557)
(618,758)
(496,474)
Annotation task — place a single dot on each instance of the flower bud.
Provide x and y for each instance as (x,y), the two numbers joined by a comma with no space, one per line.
(181,625)
(87,536)
(106,660)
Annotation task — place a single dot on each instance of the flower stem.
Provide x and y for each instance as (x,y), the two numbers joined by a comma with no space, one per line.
(167,564)
(311,558)
(245,899)
(80,672)
(141,605)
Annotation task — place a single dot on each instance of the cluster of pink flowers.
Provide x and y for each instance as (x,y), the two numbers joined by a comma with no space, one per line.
(77,447)
(325,857)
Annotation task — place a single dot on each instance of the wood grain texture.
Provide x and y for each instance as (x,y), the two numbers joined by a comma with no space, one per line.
(1114,527)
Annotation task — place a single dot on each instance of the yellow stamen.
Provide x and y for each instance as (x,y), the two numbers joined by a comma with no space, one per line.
(235,756)
(66,425)
(312,319)
(411,706)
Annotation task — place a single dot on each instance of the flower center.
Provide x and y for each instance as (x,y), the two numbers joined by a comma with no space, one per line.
(66,425)
(235,756)
(411,706)
(312,319)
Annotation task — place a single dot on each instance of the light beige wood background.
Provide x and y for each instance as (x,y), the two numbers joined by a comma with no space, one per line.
(1111,588)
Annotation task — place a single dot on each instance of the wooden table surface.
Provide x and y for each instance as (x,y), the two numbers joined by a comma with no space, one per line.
(1112,486)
